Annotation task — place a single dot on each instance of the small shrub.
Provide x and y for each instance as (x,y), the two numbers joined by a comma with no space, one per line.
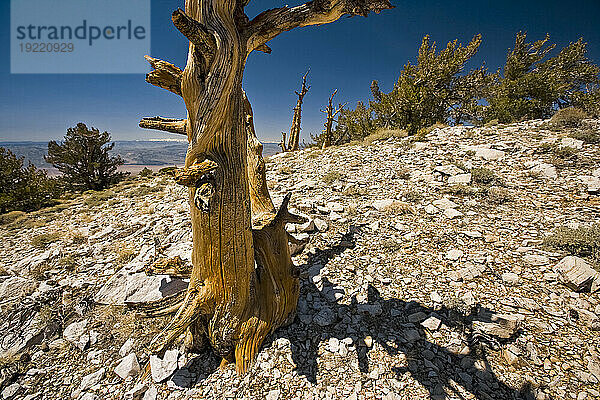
(285,170)
(583,241)
(355,191)
(588,135)
(311,155)
(460,190)
(352,209)
(564,157)
(483,176)
(570,117)
(403,173)
(384,134)
(124,254)
(491,123)
(68,263)
(170,171)
(143,190)
(331,177)
(42,241)
(38,272)
(10,217)
(392,245)
(565,152)
(545,148)
(146,172)
(499,195)
(399,207)
(98,198)
(79,238)
(413,196)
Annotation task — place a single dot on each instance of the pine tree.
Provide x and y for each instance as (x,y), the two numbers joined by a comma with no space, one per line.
(535,87)
(434,89)
(24,188)
(83,158)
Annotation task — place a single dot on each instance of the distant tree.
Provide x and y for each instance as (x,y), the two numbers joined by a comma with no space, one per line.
(83,158)
(535,87)
(434,89)
(354,124)
(24,188)
(294,140)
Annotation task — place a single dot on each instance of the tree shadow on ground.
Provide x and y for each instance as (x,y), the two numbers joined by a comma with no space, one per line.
(394,325)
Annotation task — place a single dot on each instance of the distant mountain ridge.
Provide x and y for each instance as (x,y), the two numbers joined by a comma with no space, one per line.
(134,152)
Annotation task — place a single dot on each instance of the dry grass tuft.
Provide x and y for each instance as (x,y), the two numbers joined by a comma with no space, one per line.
(384,134)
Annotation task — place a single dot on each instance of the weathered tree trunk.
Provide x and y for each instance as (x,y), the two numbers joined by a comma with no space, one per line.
(283,143)
(243,284)
(294,140)
(331,113)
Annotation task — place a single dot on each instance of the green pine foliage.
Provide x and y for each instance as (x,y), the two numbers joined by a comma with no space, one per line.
(434,90)
(84,159)
(534,86)
(24,188)
(352,125)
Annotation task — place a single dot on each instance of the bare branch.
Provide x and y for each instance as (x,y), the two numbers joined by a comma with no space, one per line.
(196,33)
(195,173)
(264,48)
(284,216)
(165,75)
(171,125)
(271,23)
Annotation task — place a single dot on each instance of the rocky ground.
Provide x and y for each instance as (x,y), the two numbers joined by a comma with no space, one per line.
(428,274)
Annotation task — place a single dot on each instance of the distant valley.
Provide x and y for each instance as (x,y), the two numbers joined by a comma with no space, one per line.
(137,154)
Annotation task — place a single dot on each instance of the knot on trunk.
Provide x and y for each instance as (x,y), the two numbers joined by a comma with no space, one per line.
(200,176)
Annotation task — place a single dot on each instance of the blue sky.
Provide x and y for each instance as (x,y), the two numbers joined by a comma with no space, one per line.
(346,55)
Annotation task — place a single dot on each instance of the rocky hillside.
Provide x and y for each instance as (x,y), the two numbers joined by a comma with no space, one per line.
(457,267)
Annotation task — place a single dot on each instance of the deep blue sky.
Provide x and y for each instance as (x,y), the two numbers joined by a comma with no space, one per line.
(347,55)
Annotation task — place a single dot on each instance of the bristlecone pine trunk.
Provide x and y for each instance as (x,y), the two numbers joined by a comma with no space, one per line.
(294,140)
(331,113)
(243,284)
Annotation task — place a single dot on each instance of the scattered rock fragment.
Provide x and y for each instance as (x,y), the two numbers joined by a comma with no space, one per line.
(126,348)
(489,154)
(536,259)
(577,274)
(321,225)
(136,393)
(454,254)
(452,213)
(91,380)
(76,333)
(163,368)
(128,366)
(449,170)
(464,179)
(510,278)
(499,325)
(543,169)
(432,323)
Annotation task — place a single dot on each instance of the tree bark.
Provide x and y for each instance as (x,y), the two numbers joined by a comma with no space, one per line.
(294,140)
(243,284)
